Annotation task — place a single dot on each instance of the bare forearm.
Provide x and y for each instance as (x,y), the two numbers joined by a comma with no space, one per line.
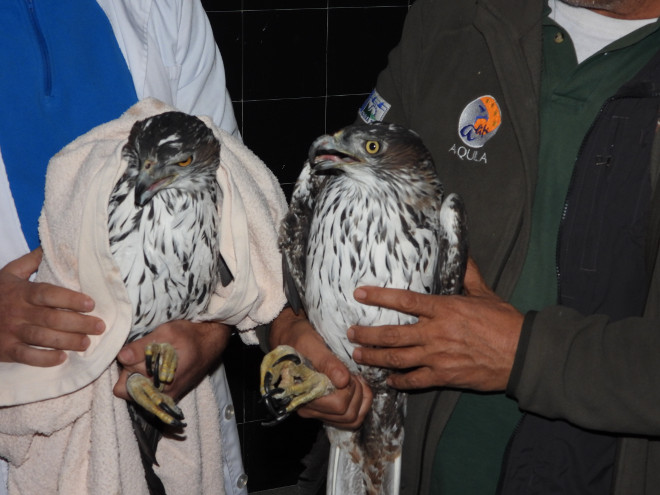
(213,338)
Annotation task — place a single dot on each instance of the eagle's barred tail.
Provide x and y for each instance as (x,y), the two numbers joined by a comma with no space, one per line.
(345,476)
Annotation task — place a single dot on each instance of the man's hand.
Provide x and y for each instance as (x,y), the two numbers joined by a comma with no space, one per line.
(199,347)
(466,341)
(39,314)
(347,406)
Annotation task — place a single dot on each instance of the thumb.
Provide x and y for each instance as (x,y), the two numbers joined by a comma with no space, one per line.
(334,369)
(129,355)
(26,265)
(474,283)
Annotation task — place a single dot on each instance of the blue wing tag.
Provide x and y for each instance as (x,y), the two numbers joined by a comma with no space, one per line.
(374,108)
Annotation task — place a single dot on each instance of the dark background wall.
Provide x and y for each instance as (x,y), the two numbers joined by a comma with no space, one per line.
(296,69)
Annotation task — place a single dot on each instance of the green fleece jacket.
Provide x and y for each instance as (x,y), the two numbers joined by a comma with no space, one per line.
(584,369)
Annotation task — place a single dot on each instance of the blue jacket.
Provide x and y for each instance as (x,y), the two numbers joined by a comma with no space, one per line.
(171,53)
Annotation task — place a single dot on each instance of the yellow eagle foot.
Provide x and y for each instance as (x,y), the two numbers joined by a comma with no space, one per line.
(161,362)
(143,392)
(288,381)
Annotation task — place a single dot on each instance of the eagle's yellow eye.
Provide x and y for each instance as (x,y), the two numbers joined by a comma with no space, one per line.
(186,162)
(372,147)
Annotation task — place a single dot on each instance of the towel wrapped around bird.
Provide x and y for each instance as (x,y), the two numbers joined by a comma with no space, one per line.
(61,428)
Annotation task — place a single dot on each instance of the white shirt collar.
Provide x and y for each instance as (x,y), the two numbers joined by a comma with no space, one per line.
(590,31)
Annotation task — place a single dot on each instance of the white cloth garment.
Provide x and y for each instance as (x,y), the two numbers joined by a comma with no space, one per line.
(171,53)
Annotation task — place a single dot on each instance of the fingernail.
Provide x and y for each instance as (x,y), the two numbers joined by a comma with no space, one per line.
(350,333)
(100,326)
(359,294)
(357,354)
(88,304)
(125,355)
(62,357)
(336,376)
(85,342)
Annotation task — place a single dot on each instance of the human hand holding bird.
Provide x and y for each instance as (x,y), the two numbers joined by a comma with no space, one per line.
(347,405)
(39,321)
(464,341)
(199,347)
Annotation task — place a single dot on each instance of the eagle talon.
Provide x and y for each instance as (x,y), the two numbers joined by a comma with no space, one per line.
(161,361)
(275,421)
(275,408)
(295,358)
(276,405)
(154,373)
(176,413)
(148,362)
(142,391)
(289,381)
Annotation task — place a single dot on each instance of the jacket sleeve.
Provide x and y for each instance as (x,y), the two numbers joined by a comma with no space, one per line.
(201,87)
(172,55)
(592,372)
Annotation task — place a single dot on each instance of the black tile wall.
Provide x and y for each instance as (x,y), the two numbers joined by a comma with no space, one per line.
(273,454)
(368,3)
(284,54)
(281,131)
(284,4)
(224,5)
(295,69)
(342,110)
(356,41)
(228,32)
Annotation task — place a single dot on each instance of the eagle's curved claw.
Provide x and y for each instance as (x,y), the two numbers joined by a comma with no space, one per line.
(143,392)
(161,361)
(289,381)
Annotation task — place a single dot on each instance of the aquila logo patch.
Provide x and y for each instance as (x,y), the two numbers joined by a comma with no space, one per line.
(479,121)
(374,108)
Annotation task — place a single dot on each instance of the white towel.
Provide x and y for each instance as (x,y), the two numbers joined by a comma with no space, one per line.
(71,435)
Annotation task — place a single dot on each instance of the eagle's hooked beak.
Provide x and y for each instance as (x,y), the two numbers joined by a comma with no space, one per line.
(148,182)
(324,155)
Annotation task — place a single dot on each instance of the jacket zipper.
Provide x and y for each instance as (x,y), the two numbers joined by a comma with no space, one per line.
(43,48)
(570,189)
(634,92)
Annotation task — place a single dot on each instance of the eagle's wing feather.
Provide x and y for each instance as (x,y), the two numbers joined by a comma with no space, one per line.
(451,267)
(294,233)
(290,289)
(224,273)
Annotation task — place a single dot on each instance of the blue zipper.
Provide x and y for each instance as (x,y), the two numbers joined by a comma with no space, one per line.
(43,48)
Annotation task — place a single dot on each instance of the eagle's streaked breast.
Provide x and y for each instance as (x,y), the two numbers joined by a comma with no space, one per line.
(167,249)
